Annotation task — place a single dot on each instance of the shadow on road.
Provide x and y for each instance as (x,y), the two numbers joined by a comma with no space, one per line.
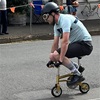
(63,97)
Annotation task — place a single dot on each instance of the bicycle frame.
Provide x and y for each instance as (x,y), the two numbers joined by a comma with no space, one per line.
(56,91)
(60,78)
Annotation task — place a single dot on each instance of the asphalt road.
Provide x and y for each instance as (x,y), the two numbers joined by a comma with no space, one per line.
(24,75)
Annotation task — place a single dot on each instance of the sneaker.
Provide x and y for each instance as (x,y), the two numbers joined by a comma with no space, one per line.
(1,33)
(76,79)
(5,33)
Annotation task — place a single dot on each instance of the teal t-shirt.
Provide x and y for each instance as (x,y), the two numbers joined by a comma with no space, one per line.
(77,31)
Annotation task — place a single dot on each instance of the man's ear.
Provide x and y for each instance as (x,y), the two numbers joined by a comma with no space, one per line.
(53,13)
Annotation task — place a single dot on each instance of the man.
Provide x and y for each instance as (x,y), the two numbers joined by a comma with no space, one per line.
(76,40)
(3,17)
(72,6)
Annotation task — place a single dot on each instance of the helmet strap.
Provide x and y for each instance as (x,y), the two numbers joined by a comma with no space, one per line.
(53,19)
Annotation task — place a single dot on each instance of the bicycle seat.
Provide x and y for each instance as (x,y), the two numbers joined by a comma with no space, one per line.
(80,57)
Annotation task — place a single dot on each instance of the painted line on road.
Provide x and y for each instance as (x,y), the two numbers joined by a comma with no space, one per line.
(95,99)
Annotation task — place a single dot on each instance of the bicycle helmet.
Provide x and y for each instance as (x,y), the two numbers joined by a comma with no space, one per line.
(50,7)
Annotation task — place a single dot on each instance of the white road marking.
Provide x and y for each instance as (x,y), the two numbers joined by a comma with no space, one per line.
(95,99)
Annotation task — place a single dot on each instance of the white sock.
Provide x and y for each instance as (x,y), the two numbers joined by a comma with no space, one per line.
(73,69)
(76,65)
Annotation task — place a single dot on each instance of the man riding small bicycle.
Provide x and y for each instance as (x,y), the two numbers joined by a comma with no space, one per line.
(76,40)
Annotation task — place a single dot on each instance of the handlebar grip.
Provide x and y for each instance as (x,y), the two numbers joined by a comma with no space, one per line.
(49,63)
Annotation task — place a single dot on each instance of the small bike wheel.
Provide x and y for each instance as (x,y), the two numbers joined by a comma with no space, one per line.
(84,88)
(71,86)
(55,92)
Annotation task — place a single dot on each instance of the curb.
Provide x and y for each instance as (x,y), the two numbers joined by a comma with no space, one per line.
(25,38)
(36,37)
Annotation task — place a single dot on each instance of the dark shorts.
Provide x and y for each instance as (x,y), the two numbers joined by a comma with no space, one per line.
(77,49)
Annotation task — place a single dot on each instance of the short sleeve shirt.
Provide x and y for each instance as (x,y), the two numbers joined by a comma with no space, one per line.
(77,31)
(3,5)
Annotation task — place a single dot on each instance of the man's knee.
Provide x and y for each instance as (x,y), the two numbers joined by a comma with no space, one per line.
(51,56)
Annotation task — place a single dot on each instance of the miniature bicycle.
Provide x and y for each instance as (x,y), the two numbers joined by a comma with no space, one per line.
(56,91)
(90,10)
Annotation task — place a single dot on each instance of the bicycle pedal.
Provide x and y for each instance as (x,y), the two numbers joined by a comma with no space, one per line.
(81,69)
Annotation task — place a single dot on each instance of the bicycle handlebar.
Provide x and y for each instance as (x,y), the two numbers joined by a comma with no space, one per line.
(51,64)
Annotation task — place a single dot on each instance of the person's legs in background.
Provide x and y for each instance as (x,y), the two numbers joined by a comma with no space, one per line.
(0,24)
(74,11)
(70,9)
(4,21)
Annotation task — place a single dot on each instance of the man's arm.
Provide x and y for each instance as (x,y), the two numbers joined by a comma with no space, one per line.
(55,44)
(76,3)
(64,46)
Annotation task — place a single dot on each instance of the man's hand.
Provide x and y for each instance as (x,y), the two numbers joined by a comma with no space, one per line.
(75,3)
(57,64)
(49,63)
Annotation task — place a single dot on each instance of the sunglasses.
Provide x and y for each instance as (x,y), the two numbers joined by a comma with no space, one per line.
(45,16)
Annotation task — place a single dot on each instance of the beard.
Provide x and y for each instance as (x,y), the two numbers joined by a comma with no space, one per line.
(51,22)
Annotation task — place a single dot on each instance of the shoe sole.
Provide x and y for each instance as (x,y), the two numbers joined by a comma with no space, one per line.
(1,34)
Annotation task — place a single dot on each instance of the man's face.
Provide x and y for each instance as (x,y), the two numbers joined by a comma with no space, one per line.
(48,18)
